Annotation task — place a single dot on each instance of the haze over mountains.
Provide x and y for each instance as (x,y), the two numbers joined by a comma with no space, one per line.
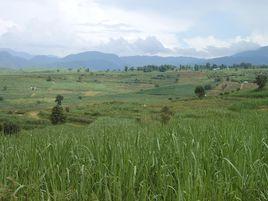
(102,61)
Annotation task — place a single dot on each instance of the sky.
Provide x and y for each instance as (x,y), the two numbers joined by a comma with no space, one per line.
(198,28)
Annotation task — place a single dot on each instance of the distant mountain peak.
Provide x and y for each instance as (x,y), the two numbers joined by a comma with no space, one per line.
(101,61)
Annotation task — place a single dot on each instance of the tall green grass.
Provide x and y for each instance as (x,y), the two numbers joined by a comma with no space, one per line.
(215,158)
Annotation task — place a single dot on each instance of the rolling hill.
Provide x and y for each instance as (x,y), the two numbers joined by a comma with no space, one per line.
(102,61)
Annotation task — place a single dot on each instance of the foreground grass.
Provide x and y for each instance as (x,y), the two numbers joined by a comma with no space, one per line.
(215,158)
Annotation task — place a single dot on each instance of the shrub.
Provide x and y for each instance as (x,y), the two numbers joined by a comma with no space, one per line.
(79,79)
(67,109)
(49,78)
(166,114)
(57,116)
(156,85)
(4,88)
(1,98)
(261,81)
(94,114)
(208,87)
(199,91)
(10,128)
(138,119)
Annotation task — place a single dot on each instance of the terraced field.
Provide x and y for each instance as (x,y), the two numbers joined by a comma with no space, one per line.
(116,144)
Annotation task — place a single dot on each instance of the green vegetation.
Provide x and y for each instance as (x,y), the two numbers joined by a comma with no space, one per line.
(200,91)
(126,139)
(261,81)
(57,116)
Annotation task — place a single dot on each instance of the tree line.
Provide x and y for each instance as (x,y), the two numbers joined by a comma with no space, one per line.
(196,67)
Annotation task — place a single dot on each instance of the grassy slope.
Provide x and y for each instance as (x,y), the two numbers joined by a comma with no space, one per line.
(215,158)
(212,149)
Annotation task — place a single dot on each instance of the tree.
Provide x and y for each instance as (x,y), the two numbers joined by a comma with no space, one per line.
(57,116)
(200,91)
(59,99)
(261,81)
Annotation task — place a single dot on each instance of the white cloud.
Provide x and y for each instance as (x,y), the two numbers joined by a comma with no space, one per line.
(200,43)
(6,26)
(128,27)
(146,46)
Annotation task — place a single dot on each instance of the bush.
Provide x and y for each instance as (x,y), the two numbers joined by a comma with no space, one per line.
(57,116)
(261,81)
(1,98)
(200,91)
(166,114)
(79,79)
(67,109)
(11,128)
(208,87)
(49,79)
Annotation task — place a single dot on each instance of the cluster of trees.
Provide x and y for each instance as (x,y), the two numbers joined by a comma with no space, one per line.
(150,68)
(209,66)
(196,67)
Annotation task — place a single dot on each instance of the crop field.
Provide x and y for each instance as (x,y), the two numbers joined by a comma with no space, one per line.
(117,145)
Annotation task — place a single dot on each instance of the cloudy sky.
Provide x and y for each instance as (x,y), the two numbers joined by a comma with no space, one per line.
(207,28)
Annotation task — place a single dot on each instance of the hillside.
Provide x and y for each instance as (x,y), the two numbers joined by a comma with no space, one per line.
(134,135)
(102,61)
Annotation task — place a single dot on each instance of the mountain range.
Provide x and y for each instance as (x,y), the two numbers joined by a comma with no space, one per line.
(102,61)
